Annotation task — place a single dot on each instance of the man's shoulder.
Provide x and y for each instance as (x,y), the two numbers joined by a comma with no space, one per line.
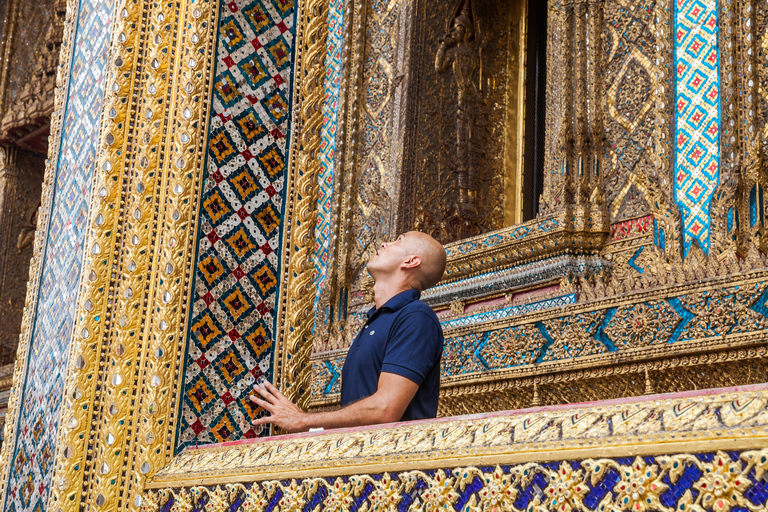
(419,309)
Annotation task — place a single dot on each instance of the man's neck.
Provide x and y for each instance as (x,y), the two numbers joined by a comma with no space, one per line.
(385,290)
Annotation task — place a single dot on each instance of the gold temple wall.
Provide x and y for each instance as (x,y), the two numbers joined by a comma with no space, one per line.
(608,293)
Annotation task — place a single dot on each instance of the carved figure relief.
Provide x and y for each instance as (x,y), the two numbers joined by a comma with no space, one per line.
(465,78)
(461,51)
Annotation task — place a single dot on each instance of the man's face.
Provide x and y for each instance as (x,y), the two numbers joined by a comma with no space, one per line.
(390,256)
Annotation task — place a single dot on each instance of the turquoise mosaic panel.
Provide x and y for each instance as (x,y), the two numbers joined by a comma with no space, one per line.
(29,480)
(328,147)
(697,117)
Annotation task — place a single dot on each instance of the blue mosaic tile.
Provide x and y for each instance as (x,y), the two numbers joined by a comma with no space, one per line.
(328,146)
(32,463)
(510,311)
(697,117)
(527,274)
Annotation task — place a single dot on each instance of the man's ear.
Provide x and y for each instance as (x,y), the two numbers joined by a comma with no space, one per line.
(413,261)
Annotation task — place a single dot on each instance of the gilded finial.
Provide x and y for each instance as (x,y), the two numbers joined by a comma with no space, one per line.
(648,386)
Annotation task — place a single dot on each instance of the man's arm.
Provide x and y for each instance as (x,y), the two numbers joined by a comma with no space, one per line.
(386,405)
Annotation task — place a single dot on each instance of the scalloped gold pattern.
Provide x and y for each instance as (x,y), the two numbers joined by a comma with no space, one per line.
(292,368)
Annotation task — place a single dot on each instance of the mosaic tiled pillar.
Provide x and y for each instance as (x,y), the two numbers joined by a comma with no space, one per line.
(328,148)
(45,352)
(232,329)
(697,117)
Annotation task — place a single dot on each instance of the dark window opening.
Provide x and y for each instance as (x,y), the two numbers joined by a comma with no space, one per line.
(535,118)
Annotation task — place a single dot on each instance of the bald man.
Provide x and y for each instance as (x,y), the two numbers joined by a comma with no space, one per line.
(392,369)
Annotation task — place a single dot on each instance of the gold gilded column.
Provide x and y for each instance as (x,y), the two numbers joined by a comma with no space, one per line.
(292,367)
(119,415)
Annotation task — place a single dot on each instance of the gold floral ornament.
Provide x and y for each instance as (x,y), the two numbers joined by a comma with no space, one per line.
(687,503)
(182,501)
(500,489)
(253,498)
(385,495)
(566,489)
(440,493)
(218,499)
(640,487)
(339,495)
(758,460)
(644,325)
(294,496)
(722,485)
(153,500)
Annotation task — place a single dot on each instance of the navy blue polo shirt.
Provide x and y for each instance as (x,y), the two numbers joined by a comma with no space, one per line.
(403,337)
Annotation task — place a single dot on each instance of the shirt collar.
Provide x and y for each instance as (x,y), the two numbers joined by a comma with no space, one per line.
(398,301)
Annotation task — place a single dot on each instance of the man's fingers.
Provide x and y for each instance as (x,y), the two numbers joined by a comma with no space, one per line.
(262,403)
(272,389)
(270,392)
(269,397)
(261,421)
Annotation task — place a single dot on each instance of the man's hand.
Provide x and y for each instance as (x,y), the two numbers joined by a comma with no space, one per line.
(387,405)
(284,413)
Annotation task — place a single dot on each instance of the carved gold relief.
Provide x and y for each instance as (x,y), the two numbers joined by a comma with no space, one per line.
(723,484)
(641,426)
(292,368)
(133,307)
(462,167)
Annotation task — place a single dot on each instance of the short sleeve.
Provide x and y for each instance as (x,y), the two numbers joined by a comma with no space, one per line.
(414,346)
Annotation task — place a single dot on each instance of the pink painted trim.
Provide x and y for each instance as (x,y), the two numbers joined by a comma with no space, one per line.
(516,412)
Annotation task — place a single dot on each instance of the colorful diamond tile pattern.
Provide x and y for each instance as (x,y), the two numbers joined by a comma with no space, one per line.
(32,464)
(697,116)
(328,148)
(236,285)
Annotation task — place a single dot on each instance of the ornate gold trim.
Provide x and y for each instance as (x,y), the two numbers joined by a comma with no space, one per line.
(573,229)
(721,419)
(96,309)
(638,485)
(36,263)
(118,423)
(498,391)
(292,370)
(482,386)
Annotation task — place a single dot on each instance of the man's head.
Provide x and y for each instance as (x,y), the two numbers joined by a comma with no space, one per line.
(414,257)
